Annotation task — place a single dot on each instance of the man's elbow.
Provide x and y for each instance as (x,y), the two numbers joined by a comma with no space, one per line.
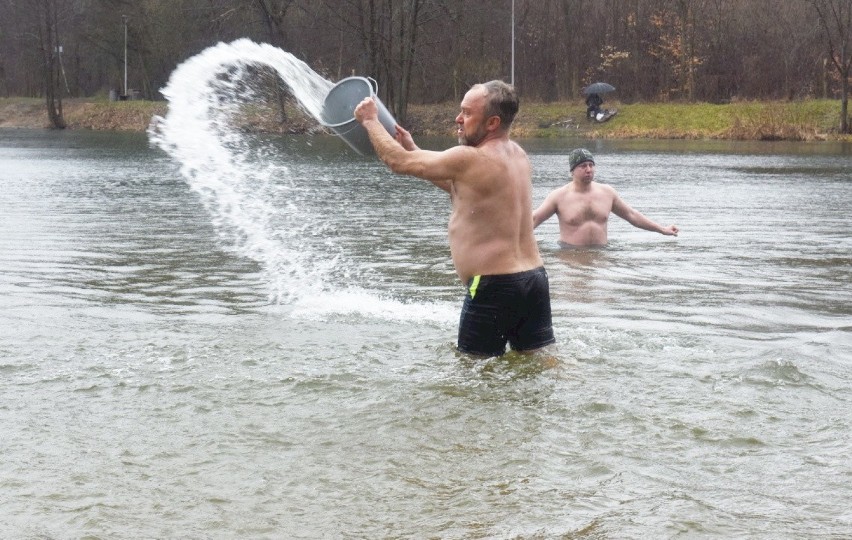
(390,157)
(399,163)
(399,167)
(540,216)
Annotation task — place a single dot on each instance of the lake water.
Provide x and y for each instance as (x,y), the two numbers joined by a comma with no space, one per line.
(280,362)
(206,334)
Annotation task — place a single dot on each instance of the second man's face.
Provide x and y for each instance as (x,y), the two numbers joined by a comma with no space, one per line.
(584,172)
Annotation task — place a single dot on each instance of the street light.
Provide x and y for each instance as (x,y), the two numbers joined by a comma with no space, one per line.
(513,42)
(124,18)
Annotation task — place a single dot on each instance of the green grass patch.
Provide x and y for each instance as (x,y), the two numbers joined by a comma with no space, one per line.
(747,120)
(774,120)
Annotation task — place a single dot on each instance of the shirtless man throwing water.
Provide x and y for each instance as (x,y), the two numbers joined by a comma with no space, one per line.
(491,237)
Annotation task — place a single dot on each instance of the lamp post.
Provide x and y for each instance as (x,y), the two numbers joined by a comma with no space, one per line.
(513,42)
(124,18)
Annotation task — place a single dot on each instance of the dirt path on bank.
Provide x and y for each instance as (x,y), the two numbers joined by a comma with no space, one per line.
(80,114)
(15,114)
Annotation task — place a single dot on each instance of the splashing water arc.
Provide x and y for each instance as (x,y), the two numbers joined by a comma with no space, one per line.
(262,202)
(234,178)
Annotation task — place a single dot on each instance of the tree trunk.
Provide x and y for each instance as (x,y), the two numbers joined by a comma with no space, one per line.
(50,70)
(571,12)
(408,51)
(835,17)
(844,101)
(274,19)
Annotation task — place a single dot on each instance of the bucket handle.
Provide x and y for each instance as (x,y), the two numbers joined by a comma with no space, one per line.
(375,85)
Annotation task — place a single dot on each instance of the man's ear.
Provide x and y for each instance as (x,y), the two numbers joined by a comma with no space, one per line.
(493,123)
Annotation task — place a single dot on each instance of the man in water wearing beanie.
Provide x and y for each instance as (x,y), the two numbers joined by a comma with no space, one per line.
(583,207)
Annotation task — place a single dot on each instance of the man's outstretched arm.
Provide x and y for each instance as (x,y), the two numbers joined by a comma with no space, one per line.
(545,210)
(638,219)
(403,137)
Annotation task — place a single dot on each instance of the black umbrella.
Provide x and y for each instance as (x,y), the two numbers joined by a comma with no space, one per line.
(598,88)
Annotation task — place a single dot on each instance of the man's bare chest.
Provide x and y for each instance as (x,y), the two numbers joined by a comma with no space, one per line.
(579,209)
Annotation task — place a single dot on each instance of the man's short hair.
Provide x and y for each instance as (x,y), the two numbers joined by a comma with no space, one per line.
(502,101)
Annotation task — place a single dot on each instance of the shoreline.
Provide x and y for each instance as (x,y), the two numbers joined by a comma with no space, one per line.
(812,120)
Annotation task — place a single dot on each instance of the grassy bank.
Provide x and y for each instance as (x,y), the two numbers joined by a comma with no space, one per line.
(795,120)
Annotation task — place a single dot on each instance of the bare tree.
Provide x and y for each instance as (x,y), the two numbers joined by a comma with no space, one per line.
(430,51)
(275,17)
(835,17)
(47,34)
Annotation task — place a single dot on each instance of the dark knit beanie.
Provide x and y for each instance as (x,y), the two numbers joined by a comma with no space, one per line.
(579,155)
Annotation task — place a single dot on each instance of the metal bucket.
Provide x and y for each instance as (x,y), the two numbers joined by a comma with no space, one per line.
(338,112)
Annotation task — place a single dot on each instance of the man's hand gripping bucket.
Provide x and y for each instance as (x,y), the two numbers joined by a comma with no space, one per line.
(338,112)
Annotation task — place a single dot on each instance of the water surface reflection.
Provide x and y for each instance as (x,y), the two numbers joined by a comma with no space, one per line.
(302,382)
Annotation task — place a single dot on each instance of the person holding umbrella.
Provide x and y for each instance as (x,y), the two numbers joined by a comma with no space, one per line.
(593,105)
(594,100)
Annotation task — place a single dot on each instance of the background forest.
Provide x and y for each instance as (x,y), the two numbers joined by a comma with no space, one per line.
(430,51)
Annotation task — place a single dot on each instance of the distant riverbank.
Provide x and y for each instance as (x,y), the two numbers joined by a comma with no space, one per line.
(810,120)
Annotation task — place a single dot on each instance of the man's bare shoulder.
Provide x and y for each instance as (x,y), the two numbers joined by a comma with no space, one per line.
(463,156)
(490,159)
(595,191)
(562,191)
(501,148)
(603,190)
(516,148)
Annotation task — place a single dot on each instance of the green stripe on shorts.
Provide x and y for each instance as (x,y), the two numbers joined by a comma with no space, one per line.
(474,283)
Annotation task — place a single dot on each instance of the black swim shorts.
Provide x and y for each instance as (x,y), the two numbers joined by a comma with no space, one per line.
(513,308)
